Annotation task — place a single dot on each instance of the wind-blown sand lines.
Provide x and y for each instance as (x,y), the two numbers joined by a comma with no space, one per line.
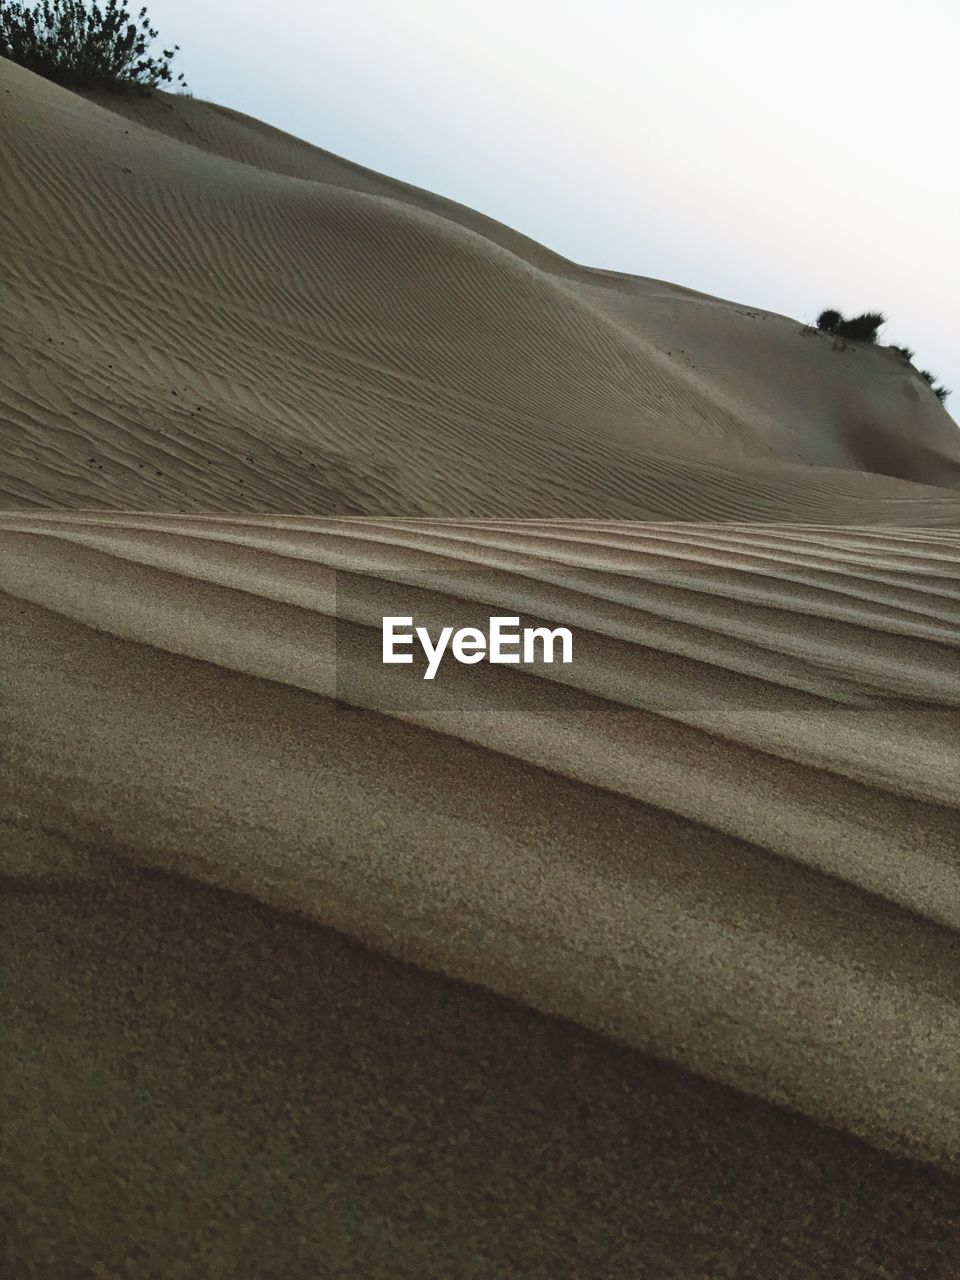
(195,333)
(659,962)
(843,888)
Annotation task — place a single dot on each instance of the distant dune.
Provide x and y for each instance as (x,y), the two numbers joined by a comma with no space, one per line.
(658,968)
(194,329)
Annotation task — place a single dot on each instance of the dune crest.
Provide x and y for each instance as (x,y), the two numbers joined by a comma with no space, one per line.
(205,315)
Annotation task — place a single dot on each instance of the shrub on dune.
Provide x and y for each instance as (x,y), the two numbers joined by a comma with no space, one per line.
(864,328)
(81,46)
(938,389)
(861,328)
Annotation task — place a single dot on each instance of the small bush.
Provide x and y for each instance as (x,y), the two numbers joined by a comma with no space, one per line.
(862,328)
(84,47)
(938,389)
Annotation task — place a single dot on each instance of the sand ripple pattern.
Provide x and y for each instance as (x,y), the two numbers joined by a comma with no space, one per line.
(727,834)
(201,314)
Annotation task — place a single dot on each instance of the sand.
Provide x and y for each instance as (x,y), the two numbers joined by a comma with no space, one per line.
(643,966)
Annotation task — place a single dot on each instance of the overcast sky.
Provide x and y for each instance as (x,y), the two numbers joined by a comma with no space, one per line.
(788,154)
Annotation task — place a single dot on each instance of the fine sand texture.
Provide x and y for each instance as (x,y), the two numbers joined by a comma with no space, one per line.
(202,315)
(646,966)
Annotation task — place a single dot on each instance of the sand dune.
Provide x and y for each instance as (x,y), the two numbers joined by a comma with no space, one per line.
(193,329)
(641,879)
(253,398)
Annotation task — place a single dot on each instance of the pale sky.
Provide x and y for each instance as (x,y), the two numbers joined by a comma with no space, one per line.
(789,155)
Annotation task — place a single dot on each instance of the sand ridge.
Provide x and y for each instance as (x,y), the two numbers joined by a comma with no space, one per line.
(644,885)
(190,331)
(661,939)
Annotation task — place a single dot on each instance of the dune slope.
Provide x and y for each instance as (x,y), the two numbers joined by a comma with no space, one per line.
(726,834)
(242,322)
(647,965)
